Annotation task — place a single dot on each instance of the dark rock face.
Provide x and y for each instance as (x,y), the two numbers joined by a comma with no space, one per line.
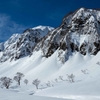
(74,47)
(83,49)
(1,47)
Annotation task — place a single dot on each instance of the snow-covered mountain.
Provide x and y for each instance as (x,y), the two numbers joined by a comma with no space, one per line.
(20,45)
(1,47)
(51,54)
(79,31)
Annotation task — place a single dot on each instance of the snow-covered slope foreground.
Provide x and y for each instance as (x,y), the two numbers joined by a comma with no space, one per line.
(13,95)
(76,91)
(65,59)
(85,68)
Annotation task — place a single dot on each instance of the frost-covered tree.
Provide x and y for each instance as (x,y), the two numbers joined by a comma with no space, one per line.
(6,82)
(48,84)
(56,80)
(18,77)
(71,77)
(85,71)
(26,81)
(36,82)
(61,78)
(98,63)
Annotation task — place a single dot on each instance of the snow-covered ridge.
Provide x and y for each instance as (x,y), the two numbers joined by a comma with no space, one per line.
(79,31)
(19,45)
(43,27)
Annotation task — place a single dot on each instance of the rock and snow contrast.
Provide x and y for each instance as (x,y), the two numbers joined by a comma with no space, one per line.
(20,45)
(65,60)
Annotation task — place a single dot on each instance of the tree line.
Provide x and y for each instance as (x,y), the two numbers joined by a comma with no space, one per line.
(6,81)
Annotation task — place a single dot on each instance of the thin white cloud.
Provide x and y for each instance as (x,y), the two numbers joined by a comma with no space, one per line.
(8,27)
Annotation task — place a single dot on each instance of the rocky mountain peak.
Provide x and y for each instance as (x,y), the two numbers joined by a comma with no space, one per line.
(20,45)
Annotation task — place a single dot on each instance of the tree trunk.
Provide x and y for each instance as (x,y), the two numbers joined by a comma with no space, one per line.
(18,82)
(36,87)
(7,87)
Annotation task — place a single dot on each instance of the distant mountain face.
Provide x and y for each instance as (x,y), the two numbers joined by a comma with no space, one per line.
(79,32)
(1,47)
(20,45)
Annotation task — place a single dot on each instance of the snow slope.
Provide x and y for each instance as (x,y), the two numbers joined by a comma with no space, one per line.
(14,95)
(85,87)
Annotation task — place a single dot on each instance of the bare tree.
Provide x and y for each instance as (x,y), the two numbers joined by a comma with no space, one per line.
(98,63)
(18,77)
(48,84)
(61,78)
(36,82)
(85,71)
(56,80)
(26,81)
(71,78)
(6,82)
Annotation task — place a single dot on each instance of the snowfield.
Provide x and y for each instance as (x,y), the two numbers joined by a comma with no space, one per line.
(13,95)
(85,68)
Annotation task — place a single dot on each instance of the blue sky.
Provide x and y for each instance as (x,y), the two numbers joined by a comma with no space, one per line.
(17,15)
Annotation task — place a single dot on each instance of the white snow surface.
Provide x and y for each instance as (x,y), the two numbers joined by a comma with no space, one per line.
(85,87)
(14,95)
(43,29)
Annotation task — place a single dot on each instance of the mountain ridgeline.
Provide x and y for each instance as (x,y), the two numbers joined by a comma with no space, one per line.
(79,32)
